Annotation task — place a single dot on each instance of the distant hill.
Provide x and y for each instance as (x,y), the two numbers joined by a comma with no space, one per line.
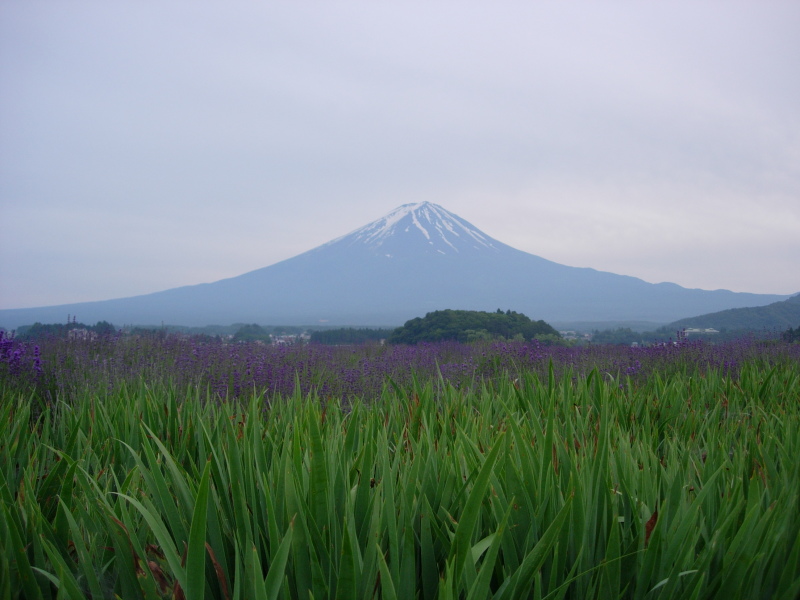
(778,315)
(470,325)
(417,259)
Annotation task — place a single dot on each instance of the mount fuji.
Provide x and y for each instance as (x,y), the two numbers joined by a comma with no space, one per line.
(416,259)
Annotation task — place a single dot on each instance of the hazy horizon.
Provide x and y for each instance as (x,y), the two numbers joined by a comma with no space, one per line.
(149,146)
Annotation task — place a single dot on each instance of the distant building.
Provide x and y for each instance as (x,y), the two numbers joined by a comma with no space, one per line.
(695,331)
(81,334)
(281,340)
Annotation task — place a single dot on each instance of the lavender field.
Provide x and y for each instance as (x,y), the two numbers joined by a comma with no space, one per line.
(147,467)
(65,368)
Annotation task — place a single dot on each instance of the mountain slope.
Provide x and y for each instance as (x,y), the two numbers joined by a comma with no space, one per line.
(418,258)
(778,315)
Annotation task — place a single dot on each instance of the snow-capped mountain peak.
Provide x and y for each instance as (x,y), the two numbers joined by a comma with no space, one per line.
(416,259)
(423,224)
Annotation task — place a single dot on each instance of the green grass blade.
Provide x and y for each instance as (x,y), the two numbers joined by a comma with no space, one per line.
(346,583)
(462,543)
(521,580)
(253,572)
(277,569)
(20,555)
(480,587)
(165,541)
(85,560)
(430,573)
(387,587)
(65,581)
(196,552)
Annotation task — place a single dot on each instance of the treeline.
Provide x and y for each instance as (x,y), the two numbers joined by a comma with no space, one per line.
(471,325)
(791,335)
(624,336)
(349,335)
(450,325)
(62,330)
(251,333)
(260,333)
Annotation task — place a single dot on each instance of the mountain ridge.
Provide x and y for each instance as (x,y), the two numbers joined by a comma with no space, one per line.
(416,259)
(777,315)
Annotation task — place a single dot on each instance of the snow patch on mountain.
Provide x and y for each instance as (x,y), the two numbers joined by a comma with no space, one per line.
(443,230)
(419,226)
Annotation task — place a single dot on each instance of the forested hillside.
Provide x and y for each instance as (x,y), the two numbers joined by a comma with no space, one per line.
(471,325)
(778,315)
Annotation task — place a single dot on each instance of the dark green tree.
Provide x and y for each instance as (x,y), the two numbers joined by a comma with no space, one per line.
(791,335)
(104,328)
(251,333)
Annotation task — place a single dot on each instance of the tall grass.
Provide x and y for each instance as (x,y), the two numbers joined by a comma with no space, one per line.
(553,485)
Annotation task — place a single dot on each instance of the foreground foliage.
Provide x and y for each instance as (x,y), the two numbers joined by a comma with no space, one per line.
(558,485)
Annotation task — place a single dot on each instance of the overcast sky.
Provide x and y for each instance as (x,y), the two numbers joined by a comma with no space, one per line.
(148,145)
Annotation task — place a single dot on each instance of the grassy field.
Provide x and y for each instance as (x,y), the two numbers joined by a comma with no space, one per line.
(526,472)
